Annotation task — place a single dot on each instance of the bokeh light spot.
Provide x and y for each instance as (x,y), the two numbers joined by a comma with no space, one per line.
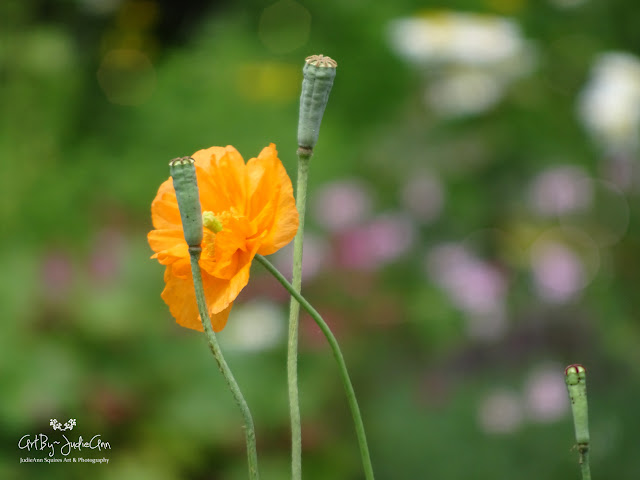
(268,81)
(564,261)
(137,14)
(47,51)
(561,189)
(284,26)
(500,412)
(127,77)
(607,220)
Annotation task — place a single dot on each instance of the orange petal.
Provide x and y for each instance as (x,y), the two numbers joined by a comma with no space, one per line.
(167,240)
(222,179)
(171,249)
(272,207)
(221,293)
(179,295)
(164,208)
(219,320)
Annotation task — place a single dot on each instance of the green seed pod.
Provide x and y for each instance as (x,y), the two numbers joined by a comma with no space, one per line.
(318,72)
(183,172)
(576,380)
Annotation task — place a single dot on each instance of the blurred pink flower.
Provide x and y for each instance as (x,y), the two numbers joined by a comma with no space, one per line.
(546,394)
(106,259)
(560,190)
(57,275)
(423,196)
(383,240)
(557,271)
(473,285)
(341,204)
(315,257)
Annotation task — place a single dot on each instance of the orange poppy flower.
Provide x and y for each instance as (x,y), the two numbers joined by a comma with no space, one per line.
(250,208)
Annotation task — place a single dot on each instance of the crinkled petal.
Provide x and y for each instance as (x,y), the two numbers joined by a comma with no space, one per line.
(221,297)
(171,249)
(272,207)
(222,179)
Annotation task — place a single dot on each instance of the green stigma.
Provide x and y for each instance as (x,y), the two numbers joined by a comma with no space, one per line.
(212,222)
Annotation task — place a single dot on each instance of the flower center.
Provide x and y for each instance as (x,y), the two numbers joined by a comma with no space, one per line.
(212,222)
(214,225)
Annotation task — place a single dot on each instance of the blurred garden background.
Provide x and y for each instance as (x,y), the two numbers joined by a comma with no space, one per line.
(472,229)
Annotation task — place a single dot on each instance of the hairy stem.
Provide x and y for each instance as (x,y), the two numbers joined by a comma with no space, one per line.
(252,454)
(294,311)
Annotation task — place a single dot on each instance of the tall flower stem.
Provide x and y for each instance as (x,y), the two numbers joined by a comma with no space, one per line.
(249,430)
(342,367)
(294,312)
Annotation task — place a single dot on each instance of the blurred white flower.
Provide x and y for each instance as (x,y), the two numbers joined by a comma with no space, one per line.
(256,326)
(500,412)
(449,36)
(479,55)
(464,92)
(609,105)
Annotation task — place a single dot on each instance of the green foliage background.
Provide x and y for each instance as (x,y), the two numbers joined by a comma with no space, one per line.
(95,342)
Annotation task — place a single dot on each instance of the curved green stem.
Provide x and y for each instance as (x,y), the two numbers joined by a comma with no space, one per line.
(344,374)
(250,434)
(294,312)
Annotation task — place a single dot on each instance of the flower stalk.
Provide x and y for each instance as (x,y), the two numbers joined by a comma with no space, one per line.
(576,380)
(342,367)
(294,313)
(318,74)
(185,184)
(249,429)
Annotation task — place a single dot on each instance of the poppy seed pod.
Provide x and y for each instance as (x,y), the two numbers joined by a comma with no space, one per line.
(183,172)
(318,72)
(576,380)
